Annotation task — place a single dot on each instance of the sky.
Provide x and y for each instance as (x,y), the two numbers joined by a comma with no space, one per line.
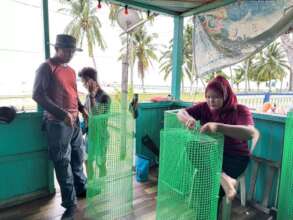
(21,45)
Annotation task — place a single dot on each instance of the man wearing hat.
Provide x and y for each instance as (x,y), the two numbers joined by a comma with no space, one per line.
(55,90)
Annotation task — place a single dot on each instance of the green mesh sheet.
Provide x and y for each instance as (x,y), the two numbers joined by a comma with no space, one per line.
(189,173)
(285,206)
(110,158)
(171,121)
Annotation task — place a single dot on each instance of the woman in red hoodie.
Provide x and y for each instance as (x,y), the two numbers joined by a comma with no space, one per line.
(221,113)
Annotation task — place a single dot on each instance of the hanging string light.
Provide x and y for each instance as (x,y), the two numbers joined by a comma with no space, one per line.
(126,10)
(99,4)
(148,13)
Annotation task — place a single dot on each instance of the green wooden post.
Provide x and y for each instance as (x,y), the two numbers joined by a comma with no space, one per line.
(177,54)
(46,28)
(45,8)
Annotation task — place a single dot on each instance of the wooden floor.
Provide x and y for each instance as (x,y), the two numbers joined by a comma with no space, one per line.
(144,207)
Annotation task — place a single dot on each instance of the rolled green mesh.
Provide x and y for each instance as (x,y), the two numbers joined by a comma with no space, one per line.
(189,173)
(110,139)
(285,206)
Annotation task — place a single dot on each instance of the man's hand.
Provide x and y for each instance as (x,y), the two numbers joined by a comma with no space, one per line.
(68,120)
(190,123)
(210,127)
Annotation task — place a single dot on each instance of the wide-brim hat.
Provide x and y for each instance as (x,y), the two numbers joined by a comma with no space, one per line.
(66,41)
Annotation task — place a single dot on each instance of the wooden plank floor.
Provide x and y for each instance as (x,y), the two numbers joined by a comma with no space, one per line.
(144,207)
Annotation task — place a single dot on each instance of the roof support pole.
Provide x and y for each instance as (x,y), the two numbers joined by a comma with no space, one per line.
(177,56)
(46,36)
(46,28)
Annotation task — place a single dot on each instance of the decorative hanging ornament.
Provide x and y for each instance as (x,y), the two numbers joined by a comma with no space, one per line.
(148,13)
(99,4)
(126,10)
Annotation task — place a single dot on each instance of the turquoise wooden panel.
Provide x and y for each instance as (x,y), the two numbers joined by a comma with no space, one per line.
(23,174)
(150,121)
(270,146)
(22,135)
(24,165)
(271,127)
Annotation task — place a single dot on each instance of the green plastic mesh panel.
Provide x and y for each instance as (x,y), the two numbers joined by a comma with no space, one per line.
(110,158)
(171,121)
(285,206)
(189,174)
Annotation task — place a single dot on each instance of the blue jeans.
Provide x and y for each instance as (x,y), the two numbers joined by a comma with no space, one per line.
(66,150)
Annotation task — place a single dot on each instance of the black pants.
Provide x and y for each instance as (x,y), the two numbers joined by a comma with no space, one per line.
(233,166)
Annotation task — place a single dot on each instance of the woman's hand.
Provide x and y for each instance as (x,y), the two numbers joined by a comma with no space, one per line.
(210,127)
(186,119)
(190,123)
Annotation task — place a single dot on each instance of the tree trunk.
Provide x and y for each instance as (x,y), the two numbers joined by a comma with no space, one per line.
(182,85)
(131,76)
(131,61)
(196,84)
(270,82)
(202,82)
(231,76)
(95,66)
(191,87)
(287,43)
(246,75)
(142,85)
(81,41)
(291,79)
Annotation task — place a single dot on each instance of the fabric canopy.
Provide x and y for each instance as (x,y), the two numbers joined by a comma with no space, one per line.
(232,33)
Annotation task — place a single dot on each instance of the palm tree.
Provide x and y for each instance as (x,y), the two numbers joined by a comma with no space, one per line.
(141,51)
(131,54)
(85,24)
(144,51)
(271,64)
(187,63)
(114,9)
(208,77)
(287,43)
(239,76)
(166,60)
(132,43)
(245,72)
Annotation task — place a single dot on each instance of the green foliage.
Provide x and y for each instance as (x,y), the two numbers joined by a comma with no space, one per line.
(270,64)
(166,56)
(85,23)
(142,50)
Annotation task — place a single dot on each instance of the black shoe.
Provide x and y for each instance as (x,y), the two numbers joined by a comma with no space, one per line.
(69,213)
(81,195)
